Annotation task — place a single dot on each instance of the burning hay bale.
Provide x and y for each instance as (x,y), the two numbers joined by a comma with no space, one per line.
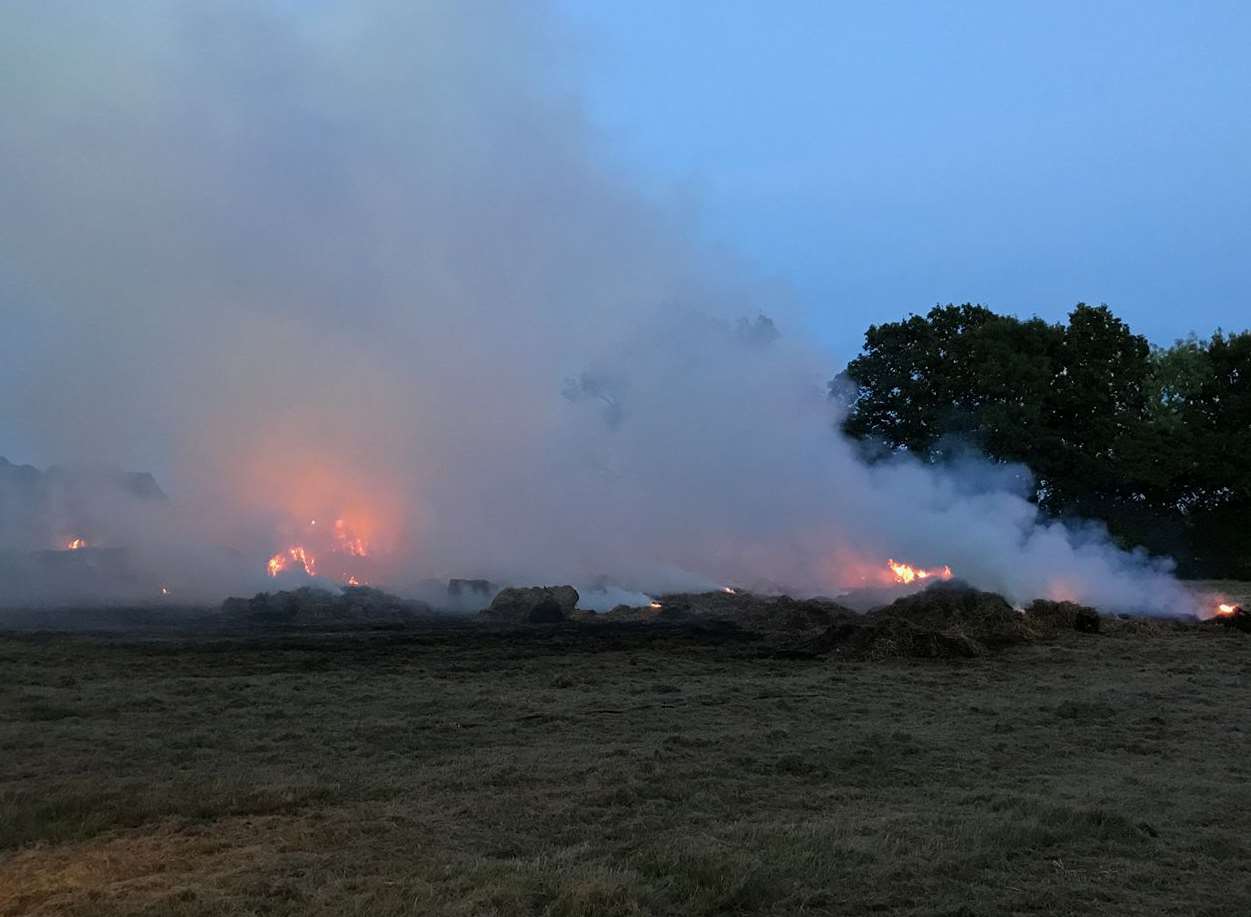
(533,605)
(1234,616)
(308,606)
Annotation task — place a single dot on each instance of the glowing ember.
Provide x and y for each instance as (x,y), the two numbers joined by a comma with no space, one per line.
(1232,614)
(729,590)
(75,543)
(655,605)
(905,573)
(353,581)
(293,555)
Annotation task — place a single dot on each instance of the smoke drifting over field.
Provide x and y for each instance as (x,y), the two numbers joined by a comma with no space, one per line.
(365,262)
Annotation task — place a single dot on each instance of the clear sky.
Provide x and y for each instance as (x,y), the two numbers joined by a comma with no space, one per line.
(880,157)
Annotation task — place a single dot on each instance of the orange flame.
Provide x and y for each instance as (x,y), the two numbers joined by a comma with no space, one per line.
(75,543)
(906,573)
(1224,609)
(294,554)
(317,544)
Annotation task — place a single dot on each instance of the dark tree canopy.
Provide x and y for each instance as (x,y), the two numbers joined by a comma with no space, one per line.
(1154,442)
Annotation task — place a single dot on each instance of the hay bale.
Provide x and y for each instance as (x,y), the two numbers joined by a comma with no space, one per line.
(547,611)
(533,605)
(477,588)
(1052,617)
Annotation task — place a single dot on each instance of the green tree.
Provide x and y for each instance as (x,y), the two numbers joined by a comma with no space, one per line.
(1069,401)
(1096,403)
(1154,442)
(1217,416)
(1177,375)
(1056,397)
(925,380)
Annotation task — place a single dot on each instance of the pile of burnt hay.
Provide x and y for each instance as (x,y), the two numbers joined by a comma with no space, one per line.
(765,614)
(948,620)
(954,606)
(312,607)
(892,638)
(951,619)
(785,615)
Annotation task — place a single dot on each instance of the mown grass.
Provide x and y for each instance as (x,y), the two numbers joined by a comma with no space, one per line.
(447,772)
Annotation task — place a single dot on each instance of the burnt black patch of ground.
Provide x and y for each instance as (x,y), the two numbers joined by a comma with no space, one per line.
(445,767)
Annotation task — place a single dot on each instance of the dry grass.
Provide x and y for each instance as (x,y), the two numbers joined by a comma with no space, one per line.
(452,772)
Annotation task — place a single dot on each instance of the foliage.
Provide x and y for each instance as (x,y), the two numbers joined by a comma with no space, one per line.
(1155,442)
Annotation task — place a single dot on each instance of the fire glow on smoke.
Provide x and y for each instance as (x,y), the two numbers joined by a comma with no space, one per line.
(341,548)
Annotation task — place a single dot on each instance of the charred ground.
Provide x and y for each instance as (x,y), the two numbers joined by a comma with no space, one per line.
(702,757)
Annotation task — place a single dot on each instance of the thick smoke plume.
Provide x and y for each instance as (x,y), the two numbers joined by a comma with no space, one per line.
(367,262)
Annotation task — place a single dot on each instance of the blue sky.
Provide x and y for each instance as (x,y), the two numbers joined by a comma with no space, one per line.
(881,157)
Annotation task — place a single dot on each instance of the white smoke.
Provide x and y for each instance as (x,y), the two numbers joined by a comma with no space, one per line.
(334,258)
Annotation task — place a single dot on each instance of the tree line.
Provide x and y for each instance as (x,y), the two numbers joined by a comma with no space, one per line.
(1155,442)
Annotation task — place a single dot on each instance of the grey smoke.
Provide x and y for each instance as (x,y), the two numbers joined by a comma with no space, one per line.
(370,258)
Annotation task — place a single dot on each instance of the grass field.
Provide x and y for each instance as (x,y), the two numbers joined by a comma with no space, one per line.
(566,770)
